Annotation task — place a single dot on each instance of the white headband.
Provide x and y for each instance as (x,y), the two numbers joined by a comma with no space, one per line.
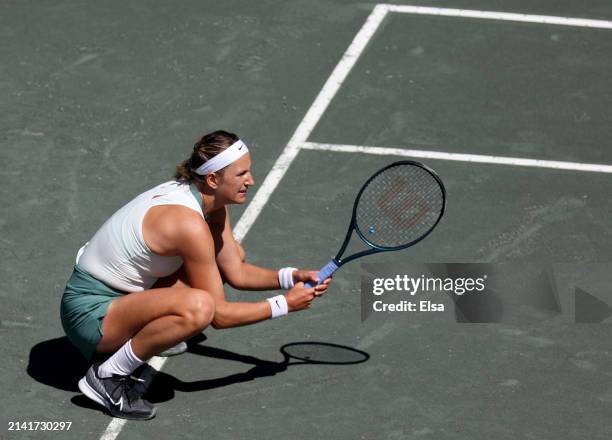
(223,159)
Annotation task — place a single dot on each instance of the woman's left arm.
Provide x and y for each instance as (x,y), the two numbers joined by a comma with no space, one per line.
(240,274)
(233,268)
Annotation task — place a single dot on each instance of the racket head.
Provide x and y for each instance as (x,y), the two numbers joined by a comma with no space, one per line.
(399,206)
(323,353)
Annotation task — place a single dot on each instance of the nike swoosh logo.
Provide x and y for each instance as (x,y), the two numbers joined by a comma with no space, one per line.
(118,403)
(240,148)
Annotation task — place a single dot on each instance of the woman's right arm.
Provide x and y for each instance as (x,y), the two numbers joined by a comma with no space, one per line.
(194,241)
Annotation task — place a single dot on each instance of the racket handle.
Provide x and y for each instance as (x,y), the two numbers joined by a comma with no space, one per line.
(325,272)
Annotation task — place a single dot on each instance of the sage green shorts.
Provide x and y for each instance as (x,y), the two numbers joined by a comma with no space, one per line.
(84,305)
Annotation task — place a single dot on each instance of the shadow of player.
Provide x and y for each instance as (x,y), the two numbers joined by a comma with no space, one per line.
(57,363)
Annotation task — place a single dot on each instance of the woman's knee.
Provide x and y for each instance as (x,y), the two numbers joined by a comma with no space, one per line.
(198,309)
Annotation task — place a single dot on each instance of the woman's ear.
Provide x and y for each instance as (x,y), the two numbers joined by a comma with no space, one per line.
(212,179)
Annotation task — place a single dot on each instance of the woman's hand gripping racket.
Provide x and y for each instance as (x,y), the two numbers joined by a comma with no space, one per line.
(396,208)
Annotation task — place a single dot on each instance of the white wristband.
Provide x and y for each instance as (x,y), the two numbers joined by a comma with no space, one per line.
(285,277)
(279,306)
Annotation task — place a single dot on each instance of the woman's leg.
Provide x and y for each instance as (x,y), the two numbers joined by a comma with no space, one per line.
(179,280)
(155,319)
(136,327)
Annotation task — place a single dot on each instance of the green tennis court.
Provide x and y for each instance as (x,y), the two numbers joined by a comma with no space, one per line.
(102,100)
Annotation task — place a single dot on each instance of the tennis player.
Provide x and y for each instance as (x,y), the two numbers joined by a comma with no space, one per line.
(152,275)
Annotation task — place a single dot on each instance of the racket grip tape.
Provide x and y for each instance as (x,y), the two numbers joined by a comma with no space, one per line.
(325,272)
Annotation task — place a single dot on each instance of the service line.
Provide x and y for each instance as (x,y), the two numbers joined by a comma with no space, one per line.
(460,157)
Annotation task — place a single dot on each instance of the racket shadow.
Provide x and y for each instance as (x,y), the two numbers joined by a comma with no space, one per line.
(164,385)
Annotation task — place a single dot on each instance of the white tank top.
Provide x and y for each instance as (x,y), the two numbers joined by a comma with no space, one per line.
(118,255)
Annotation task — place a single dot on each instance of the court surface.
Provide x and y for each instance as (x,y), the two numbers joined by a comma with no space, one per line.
(102,100)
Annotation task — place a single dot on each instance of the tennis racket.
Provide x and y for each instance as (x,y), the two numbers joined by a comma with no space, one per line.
(396,208)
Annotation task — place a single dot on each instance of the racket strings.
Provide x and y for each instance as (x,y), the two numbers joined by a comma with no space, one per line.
(399,205)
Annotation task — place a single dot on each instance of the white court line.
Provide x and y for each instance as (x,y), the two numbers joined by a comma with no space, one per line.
(113,429)
(459,157)
(310,120)
(504,16)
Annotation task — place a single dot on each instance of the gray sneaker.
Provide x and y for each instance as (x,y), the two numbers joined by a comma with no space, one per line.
(179,348)
(118,394)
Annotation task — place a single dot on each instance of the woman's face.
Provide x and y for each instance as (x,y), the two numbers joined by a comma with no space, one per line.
(235,180)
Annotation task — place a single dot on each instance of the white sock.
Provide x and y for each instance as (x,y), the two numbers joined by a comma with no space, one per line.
(123,362)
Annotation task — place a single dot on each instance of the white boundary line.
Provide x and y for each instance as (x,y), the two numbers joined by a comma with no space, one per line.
(475,158)
(327,93)
(505,16)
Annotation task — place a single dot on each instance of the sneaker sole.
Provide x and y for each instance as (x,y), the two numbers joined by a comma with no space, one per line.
(91,393)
